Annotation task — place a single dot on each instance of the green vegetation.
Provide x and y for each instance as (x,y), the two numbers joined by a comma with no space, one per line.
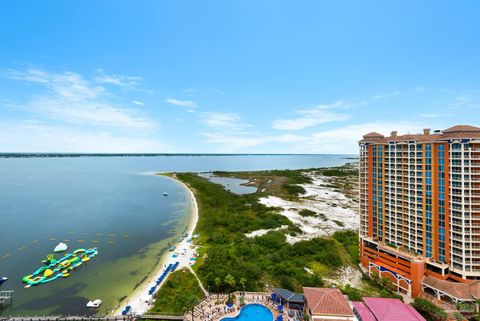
(340,172)
(429,310)
(179,293)
(307,212)
(349,239)
(284,183)
(281,183)
(225,218)
(352,293)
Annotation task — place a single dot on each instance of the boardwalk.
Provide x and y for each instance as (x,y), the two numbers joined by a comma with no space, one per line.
(161,317)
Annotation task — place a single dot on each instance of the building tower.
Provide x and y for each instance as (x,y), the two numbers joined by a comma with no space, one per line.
(420,211)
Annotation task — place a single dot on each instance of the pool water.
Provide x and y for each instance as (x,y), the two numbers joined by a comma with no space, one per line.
(252,312)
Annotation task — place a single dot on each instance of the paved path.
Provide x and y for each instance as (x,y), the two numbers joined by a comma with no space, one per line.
(199,282)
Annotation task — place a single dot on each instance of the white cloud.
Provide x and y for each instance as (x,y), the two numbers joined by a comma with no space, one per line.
(342,140)
(223,121)
(138,102)
(345,139)
(33,136)
(117,80)
(230,142)
(70,98)
(312,116)
(386,96)
(181,103)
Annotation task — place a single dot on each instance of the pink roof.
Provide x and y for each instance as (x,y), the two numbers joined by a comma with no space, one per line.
(392,310)
(363,311)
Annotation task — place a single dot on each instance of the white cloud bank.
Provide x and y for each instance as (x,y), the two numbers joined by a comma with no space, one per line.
(33,136)
(309,117)
(342,140)
(181,103)
(70,98)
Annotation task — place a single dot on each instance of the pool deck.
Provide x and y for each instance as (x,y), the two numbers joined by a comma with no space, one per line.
(213,307)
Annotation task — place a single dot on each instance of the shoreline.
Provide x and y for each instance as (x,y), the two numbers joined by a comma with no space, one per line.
(135,298)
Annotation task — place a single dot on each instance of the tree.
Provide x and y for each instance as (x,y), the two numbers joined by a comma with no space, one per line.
(193,300)
(230,280)
(242,282)
(218,283)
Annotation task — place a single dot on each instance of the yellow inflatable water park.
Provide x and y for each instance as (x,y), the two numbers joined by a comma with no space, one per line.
(53,269)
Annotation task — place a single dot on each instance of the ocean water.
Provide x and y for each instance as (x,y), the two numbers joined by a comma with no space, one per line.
(113,203)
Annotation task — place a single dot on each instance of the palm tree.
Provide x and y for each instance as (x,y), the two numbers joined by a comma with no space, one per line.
(242,282)
(230,280)
(192,301)
(218,282)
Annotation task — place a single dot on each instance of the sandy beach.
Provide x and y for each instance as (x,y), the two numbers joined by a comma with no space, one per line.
(139,300)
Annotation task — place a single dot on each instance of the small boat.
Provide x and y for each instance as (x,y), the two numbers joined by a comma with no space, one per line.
(3,279)
(165,194)
(94,304)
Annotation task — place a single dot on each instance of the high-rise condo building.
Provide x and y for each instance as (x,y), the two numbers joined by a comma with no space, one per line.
(420,211)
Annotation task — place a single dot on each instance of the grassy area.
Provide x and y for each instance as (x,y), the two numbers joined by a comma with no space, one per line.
(178,294)
(267,260)
(283,183)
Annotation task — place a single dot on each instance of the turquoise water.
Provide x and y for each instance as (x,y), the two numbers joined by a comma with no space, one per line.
(112,203)
(252,312)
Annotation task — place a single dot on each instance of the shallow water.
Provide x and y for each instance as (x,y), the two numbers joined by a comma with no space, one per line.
(234,185)
(107,202)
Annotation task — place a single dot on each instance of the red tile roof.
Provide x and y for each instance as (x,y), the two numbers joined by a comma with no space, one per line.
(462,129)
(455,132)
(373,135)
(458,290)
(392,310)
(326,301)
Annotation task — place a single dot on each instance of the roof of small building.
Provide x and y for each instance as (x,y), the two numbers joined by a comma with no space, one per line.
(452,133)
(386,309)
(290,296)
(363,311)
(325,301)
(462,291)
(373,135)
(462,129)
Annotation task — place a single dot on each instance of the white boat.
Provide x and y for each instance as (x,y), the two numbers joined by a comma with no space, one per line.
(165,194)
(61,247)
(3,279)
(94,304)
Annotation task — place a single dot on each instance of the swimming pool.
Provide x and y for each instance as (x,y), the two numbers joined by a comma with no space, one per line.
(252,312)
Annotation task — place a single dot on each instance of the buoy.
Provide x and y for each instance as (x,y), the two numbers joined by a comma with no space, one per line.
(61,247)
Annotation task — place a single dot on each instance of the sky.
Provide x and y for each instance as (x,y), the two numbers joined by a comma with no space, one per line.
(234,76)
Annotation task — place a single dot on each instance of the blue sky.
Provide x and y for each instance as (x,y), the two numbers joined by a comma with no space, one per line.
(232,76)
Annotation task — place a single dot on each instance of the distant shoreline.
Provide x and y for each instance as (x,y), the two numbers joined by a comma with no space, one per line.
(73,155)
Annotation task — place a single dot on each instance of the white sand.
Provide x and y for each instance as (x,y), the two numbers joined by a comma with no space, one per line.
(185,251)
(319,198)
